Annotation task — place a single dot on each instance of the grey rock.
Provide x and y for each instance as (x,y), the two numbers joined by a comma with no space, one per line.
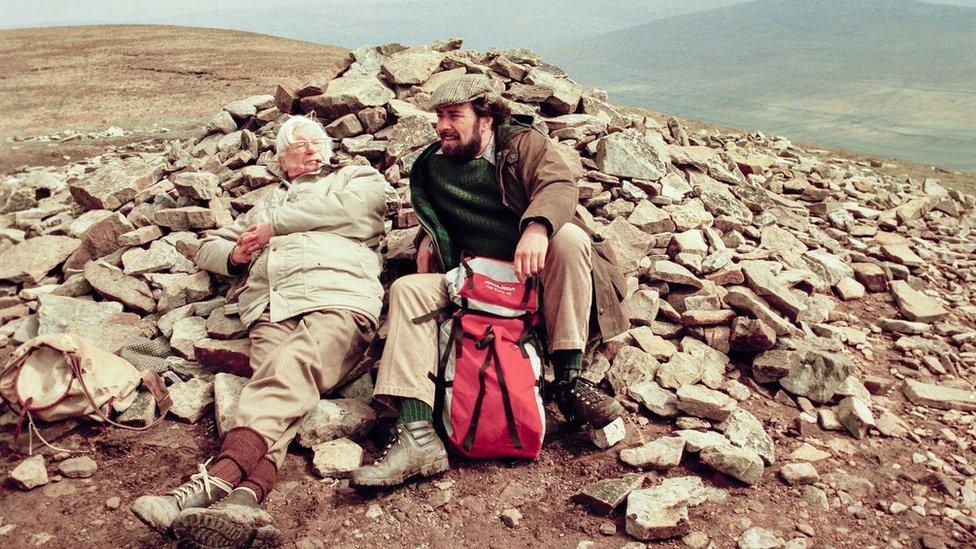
(765,284)
(605,496)
(56,314)
(818,376)
(683,369)
(78,467)
(744,299)
(191,399)
(738,463)
(117,182)
(141,412)
(668,271)
(915,305)
(631,366)
(336,458)
(774,365)
(30,261)
(186,218)
(939,396)
(712,361)
(30,473)
(662,454)
(696,441)
(332,419)
(221,326)
(701,401)
(744,430)
(758,538)
(411,67)
(112,283)
(186,333)
(630,154)
(350,94)
(661,512)
(227,393)
(798,474)
(656,399)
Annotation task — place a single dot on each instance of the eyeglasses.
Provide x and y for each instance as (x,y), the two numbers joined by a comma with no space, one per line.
(304,146)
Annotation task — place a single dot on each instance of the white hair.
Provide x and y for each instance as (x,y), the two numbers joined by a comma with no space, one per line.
(308,129)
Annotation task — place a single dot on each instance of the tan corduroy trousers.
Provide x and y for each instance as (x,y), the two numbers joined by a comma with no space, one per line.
(294,362)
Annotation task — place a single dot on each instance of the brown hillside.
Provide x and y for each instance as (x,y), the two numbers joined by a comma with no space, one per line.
(91,78)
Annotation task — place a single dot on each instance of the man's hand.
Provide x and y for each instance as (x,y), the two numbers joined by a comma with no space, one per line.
(240,255)
(425,254)
(255,237)
(530,254)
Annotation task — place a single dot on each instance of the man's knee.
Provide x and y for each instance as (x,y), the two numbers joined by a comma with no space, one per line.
(569,243)
(405,286)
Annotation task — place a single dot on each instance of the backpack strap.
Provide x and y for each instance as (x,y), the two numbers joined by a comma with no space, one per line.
(488,342)
(453,344)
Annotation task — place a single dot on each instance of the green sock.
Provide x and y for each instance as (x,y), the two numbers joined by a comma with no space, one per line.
(567,364)
(412,410)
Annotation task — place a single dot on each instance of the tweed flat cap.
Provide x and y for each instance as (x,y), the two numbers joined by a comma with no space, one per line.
(461,90)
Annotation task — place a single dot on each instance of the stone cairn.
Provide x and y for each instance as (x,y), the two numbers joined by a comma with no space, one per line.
(745,258)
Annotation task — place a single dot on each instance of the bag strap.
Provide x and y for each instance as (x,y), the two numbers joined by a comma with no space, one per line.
(150,379)
(453,341)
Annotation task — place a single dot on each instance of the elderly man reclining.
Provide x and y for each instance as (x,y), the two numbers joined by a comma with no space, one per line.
(311,299)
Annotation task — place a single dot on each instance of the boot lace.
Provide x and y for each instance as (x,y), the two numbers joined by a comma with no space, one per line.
(199,481)
(587,393)
(394,440)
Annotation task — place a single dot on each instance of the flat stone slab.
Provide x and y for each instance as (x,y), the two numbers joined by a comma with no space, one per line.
(113,284)
(739,463)
(118,183)
(662,454)
(939,396)
(700,401)
(30,261)
(916,306)
(605,496)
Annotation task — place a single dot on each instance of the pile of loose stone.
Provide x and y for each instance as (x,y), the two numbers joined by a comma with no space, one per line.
(744,256)
(73,135)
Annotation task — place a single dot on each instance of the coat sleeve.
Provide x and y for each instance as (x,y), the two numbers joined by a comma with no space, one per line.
(550,181)
(215,249)
(353,209)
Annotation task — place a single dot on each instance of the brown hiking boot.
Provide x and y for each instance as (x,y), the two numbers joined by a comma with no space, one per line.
(236,521)
(415,450)
(202,490)
(582,402)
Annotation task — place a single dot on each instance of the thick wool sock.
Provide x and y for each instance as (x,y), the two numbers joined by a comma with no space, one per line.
(239,455)
(262,479)
(412,410)
(567,364)
(226,470)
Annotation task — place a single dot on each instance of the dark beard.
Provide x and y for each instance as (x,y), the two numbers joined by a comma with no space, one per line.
(467,151)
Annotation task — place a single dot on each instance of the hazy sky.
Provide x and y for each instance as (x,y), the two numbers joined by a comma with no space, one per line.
(350,23)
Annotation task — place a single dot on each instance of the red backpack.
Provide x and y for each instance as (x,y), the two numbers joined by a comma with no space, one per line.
(490,372)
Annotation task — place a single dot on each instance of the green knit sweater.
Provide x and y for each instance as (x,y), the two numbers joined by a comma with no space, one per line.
(468,202)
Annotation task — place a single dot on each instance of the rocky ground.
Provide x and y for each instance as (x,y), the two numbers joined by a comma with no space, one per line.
(798,372)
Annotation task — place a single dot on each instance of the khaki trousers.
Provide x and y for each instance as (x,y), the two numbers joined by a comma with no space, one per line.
(411,349)
(294,362)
